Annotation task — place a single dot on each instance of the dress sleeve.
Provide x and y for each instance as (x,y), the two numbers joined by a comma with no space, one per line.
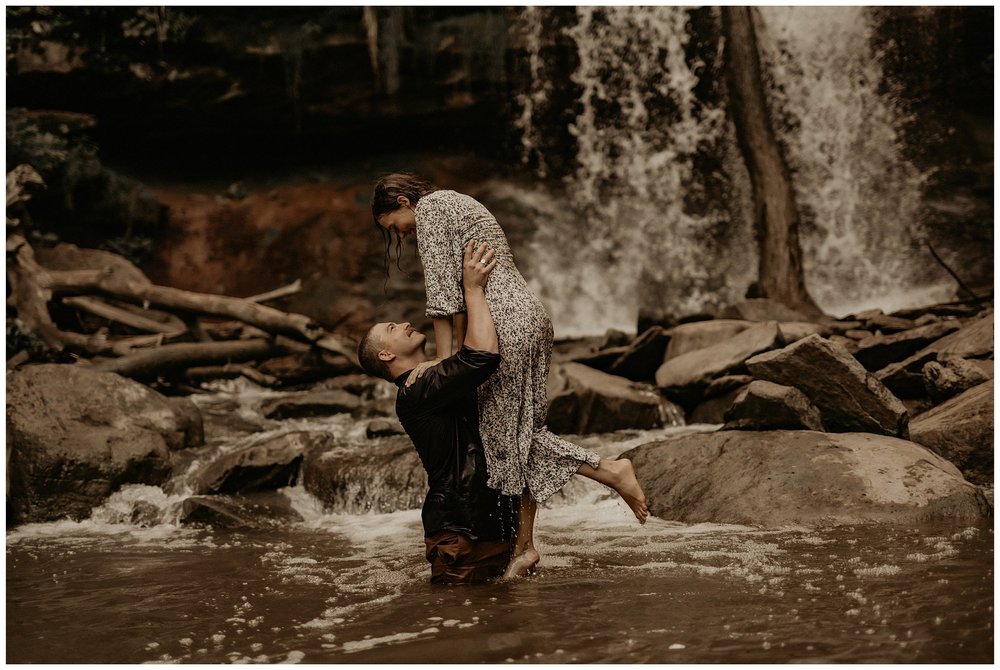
(441,257)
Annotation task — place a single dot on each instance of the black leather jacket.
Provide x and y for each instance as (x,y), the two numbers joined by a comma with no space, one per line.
(440,414)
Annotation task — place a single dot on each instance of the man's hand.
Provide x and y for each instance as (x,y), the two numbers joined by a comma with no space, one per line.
(477,265)
(419,370)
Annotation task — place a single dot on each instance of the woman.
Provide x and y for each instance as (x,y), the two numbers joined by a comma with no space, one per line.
(522,456)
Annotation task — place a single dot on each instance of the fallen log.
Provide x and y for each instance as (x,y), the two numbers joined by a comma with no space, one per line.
(291,289)
(150,364)
(104,310)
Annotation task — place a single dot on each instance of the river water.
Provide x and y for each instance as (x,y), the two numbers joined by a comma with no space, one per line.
(342,587)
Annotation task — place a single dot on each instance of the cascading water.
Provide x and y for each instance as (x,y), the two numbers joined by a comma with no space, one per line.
(656,211)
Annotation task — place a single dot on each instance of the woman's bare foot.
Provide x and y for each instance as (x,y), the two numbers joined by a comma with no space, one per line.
(627,486)
(522,564)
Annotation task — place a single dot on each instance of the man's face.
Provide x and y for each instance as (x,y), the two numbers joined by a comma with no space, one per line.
(400,339)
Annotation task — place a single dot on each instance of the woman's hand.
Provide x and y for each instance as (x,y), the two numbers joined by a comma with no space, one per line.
(477,265)
(419,370)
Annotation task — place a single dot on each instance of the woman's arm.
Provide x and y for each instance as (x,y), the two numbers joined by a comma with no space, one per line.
(442,336)
(461,327)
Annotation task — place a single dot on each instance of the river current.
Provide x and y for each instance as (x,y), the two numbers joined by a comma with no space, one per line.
(133,585)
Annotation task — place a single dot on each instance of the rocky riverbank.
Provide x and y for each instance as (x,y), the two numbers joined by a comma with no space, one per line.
(873,417)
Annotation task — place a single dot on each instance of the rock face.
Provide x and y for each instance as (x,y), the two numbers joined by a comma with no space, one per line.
(685,378)
(642,357)
(849,398)
(583,400)
(303,405)
(766,406)
(75,436)
(381,475)
(802,477)
(262,464)
(961,430)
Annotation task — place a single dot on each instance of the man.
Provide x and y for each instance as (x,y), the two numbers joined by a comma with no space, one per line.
(468,527)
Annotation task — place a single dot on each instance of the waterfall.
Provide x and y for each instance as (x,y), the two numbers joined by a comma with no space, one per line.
(655,211)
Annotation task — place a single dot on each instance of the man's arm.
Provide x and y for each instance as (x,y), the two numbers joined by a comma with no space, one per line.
(477,265)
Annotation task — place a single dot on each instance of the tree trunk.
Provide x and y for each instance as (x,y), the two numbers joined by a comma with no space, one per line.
(776,217)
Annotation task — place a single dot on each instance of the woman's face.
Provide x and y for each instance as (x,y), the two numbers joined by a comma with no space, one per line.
(401,220)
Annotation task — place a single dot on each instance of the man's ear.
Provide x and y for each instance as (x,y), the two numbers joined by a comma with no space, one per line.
(386,356)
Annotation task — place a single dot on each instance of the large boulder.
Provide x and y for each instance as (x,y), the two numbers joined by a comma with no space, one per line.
(778,478)
(253,510)
(379,475)
(74,436)
(584,400)
(684,379)
(767,406)
(849,398)
(701,334)
(260,463)
(878,351)
(713,409)
(961,430)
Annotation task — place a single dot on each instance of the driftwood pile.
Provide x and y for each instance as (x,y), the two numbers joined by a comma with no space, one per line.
(144,331)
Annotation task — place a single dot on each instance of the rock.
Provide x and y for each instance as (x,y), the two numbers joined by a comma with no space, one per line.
(641,359)
(847,343)
(859,335)
(888,324)
(583,400)
(950,376)
(926,319)
(974,340)
(841,327)
(261,463)
(384,428)
(363,386)
(713,410)
(779,478)
(767,406)
(761,309)
(878,351)
(614,338)
(849,398)
(254,510)
(305,367)
(726,384)
(380,475)
(793,331)
(600,360)
(650,317)
(684,379)
(189,421)
(867,315)
(700,335)
(308,404)
(74,436)
(961,430)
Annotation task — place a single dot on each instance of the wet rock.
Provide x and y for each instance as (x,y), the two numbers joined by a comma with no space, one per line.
(767,406)
(189,419)
(602,359)
(684,379)
(363,386)
(950,376)
(878,351)
(961,430)
(261,463)
(614,338)
(859,335)
(778,478)
(841,327)
(583,400)
(761,309)
(74,436)
(888,324)
(926,319)
(380,407)
(641,359)
(713,410)
(383,428)
(305,367)
(849,398)
(309,404)
(254,510)
(701,334)
(379,475)
(850,344)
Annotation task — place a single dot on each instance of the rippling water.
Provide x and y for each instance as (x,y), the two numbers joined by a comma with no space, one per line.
(353,588)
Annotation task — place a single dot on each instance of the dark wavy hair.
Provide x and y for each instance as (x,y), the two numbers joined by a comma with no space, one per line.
(384,200)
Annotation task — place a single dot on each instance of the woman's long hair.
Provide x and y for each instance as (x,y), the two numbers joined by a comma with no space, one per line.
(387,190)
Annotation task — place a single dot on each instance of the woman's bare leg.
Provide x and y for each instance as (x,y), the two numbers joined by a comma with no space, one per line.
(620,476)
(525,554)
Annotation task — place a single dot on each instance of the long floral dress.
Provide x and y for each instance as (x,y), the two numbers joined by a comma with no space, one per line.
(520,452)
